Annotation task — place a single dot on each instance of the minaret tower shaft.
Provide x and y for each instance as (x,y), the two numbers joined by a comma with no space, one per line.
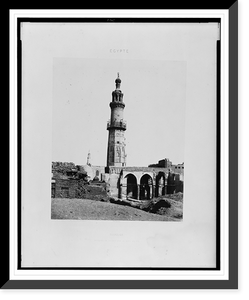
(116,126)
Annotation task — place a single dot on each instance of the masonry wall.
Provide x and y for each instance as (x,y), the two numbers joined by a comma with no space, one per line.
(117,170)
(174,184)
(65,188)
(113,185)
(75,188)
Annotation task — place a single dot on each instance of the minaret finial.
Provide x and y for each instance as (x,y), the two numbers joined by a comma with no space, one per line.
(118,74)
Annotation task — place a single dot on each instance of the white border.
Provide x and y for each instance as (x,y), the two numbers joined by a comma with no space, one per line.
(127,274)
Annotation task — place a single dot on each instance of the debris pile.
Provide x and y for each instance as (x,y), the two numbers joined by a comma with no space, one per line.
(161,206)
(65,170)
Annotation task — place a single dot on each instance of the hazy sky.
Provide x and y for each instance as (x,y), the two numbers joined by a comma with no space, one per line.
(154,95)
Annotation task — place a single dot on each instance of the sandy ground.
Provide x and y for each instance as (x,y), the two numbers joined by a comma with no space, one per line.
(84,209)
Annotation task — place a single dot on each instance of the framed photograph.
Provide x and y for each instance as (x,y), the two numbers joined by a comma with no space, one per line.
(123,164)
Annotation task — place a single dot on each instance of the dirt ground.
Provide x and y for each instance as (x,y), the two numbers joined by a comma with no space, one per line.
(84,209)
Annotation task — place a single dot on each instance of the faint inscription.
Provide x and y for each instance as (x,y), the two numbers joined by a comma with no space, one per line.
(119,51)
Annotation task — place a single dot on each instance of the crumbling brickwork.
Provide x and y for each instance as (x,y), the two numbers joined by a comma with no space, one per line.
(77,188)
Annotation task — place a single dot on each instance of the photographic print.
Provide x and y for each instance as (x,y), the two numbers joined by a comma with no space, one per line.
(120,169)
(120,121)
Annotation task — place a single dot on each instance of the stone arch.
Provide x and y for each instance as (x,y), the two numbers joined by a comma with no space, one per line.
(131,186)
(141,174)
(146,185)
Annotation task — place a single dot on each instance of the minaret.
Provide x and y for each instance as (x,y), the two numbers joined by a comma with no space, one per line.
(116,126)
(88,158)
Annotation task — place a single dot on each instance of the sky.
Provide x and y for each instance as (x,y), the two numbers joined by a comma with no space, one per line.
(154,95)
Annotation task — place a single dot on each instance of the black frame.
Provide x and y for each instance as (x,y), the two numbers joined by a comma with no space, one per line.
(232,283)
(119,20)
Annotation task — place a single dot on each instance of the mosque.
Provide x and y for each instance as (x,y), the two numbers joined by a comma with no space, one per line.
(122,181)
(134,182)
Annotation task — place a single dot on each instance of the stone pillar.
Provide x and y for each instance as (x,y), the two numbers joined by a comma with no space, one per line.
(124,188)
(164,190)
(121,191)
(138,191)
(151,191)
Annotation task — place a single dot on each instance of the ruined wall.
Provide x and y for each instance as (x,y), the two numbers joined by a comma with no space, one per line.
(174,184)
(179,169)
(163,163)
(65,170)
(65,188)
(75,188)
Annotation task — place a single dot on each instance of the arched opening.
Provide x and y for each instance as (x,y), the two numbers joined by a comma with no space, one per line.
(131,190)
(171,184)
(145,187)
(160,185)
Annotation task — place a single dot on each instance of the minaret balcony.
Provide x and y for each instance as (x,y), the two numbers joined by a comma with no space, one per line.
(117,104)
(116,125)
